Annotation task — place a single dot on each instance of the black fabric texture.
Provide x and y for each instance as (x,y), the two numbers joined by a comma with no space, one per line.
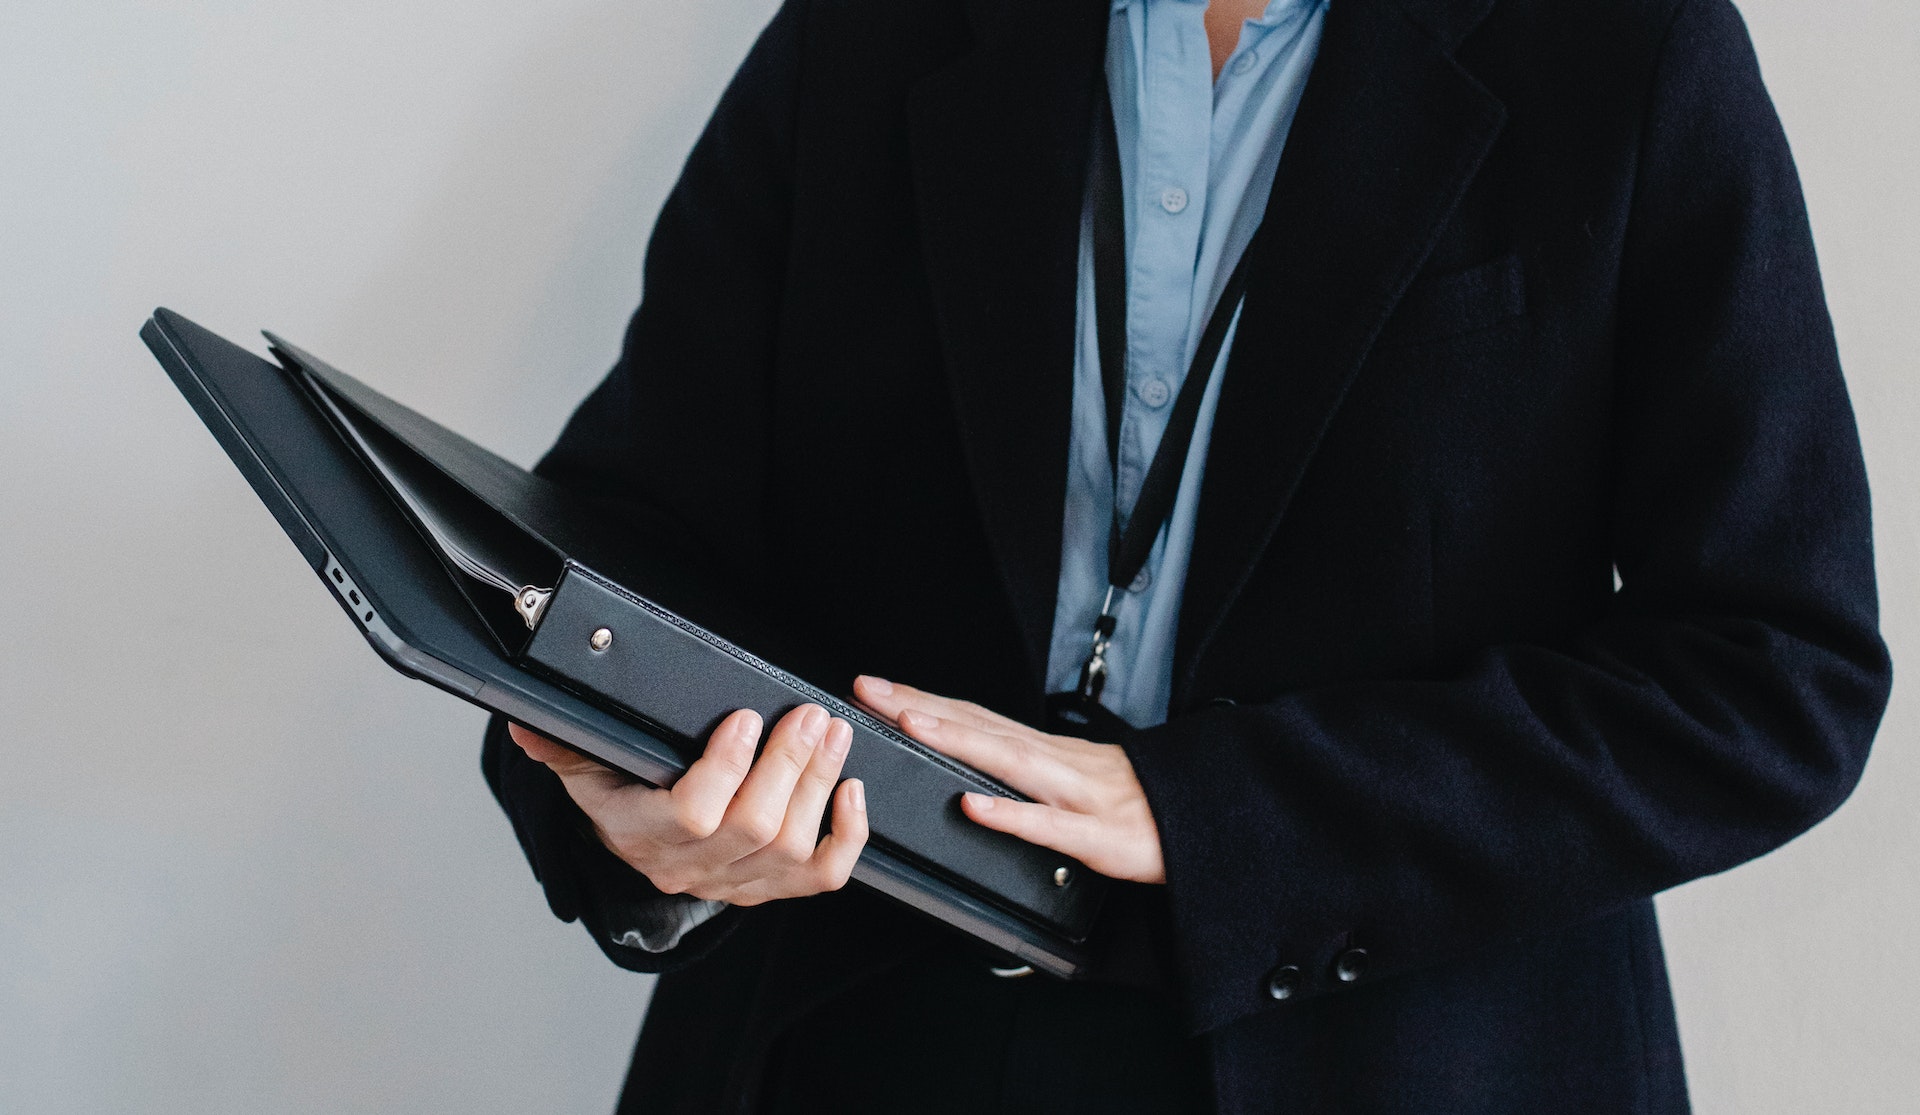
(1536,300)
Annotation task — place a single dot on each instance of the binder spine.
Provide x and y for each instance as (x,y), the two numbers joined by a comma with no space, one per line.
(622,650)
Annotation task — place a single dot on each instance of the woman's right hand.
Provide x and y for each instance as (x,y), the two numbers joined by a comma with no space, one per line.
(733,829)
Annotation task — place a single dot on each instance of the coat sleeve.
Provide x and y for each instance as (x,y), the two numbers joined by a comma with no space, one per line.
(1724,704)
(673,439)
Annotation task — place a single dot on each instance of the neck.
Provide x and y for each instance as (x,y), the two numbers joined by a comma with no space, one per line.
(1224,18)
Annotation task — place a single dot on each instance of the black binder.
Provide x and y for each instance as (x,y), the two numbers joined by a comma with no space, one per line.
(476,576)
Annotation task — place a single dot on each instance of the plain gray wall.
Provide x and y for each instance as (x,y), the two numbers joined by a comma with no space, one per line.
(244,866)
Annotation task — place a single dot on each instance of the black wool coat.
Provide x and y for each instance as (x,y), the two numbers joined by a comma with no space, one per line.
(1536,307)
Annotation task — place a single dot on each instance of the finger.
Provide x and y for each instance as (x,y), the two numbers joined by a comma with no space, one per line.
(1071,834)
(1019,761)
(831,864)
(833,860)
(701,796)
(543,750)
(759,809)
(890,698)
(800,835)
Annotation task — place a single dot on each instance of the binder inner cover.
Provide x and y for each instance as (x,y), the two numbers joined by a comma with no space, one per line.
(491,560)
(476,507)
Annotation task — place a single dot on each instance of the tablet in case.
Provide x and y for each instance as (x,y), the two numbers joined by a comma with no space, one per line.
(474,575)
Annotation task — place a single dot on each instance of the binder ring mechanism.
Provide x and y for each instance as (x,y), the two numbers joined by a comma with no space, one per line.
(531,603)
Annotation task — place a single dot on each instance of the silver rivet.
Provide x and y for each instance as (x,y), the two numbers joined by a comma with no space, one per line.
(600,639)
(1061,876)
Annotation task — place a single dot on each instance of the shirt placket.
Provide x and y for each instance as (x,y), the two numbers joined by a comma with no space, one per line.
(1167,197)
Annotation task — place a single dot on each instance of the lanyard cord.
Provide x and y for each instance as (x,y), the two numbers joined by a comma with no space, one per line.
(1130,538)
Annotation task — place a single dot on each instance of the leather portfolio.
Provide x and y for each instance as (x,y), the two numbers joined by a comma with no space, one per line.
(494,584)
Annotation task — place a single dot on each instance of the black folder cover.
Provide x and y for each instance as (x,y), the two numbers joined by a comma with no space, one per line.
(478,577)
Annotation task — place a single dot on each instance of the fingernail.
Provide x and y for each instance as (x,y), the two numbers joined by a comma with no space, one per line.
(918,722)
(813,722)
(750,724)
(879,687)
(979,801)
(857,795)
(839,735)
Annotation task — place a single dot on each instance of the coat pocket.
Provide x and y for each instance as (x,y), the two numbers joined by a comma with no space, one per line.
(1439,306)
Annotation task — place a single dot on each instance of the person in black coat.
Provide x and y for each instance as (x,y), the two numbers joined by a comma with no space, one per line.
(1532,573)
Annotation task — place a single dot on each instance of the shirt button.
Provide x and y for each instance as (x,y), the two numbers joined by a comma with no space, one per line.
(1173,199)
(1246,61)
(1153,392)
(1351,965)
(1142,581)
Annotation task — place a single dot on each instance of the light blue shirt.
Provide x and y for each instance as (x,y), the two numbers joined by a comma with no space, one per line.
(1197,160)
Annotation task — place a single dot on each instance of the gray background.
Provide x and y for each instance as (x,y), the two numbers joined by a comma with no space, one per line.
(245,867)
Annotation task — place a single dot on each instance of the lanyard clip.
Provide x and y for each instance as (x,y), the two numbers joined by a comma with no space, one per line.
(1093,675)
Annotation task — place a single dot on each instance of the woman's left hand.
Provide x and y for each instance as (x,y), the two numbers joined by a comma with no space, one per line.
(1087,803)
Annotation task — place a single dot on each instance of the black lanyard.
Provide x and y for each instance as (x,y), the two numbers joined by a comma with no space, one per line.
(1130,540)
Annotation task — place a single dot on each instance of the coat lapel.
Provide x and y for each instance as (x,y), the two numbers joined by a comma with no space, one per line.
(998,143)
(1389,133)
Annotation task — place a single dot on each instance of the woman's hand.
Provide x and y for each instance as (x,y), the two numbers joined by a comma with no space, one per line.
(731,829)
(1086,801)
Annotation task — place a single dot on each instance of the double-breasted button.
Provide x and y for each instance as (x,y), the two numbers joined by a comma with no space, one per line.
(1283,982)
(1350,965)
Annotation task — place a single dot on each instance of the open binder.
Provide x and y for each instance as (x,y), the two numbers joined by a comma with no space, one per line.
(476,576)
